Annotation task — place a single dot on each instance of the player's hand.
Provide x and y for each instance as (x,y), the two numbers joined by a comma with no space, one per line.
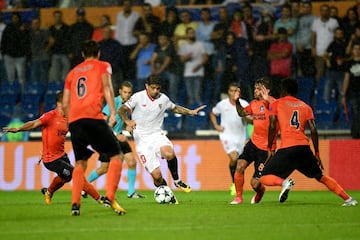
(270,153)
(12,130)
(219,128)
(121,137)
(264,93)
(319,162)
(197,110)
(130,125)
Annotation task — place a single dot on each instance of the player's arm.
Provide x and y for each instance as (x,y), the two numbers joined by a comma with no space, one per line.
(271,136)
(109,97)
(215,123)
(345,87)
(315,140)
(186,111)
(123,110)
(26,127)
(66,102)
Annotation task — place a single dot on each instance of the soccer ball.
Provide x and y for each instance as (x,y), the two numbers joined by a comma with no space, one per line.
(163,194)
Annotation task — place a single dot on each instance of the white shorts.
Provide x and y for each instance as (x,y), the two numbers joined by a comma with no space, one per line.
(148,149)
(232,145)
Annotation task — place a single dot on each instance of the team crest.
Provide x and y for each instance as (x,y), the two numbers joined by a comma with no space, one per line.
(262,108)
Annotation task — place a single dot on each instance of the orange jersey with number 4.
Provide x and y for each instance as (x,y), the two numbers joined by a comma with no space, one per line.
(86,89)
(292,115)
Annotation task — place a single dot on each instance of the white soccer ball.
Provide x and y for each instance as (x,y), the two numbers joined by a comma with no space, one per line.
(163,194)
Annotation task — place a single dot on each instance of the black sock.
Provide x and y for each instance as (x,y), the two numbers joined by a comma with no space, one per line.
(232,171)
(173,167)
(163,183)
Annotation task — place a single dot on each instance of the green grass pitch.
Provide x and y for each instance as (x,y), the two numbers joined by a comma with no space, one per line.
(200,215)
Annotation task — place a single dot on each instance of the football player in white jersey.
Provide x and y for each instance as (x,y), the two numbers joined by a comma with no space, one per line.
(147,109)
(232,128)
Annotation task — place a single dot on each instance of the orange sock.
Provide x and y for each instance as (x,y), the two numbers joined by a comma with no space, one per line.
(271,180)
(56,183)
(78,182)
(90,189)
(239,184)
(113,178)
(333,186)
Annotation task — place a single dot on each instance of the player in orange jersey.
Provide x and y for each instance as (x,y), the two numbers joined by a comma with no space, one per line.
(255,149)
(86,87)
(54,129)
(292,115)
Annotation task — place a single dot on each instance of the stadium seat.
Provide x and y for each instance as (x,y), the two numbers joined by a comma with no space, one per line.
(50,95)
(172,122)
(199,122)
(30,111)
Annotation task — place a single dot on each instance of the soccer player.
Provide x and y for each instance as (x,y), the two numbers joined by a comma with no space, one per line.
(147,111)
(232,131)
(292,115)
(255,149)
(125,91)
(86,87)
(54,158)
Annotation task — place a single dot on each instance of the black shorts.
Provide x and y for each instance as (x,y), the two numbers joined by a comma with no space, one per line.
(251,154)
(95,133)
(62,167)
(286,160)
(125,147)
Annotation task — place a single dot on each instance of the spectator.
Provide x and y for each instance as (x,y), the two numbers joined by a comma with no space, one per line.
(98,34)
(164,62)
(263,35)
(142,54)
(334,58)
(80,31)
(3,77)
(349,23)
(218,37)
(322,34)
(15,47)
(351,89)
(111,52)
(169,24)
(193,55)
(180,35)
(279,54)
(41,42)
(334,13)
(60,64)
(303,42)
(355,37)
(231,68)
(124,33)
(149,23)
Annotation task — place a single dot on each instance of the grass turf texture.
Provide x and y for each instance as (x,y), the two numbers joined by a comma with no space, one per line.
(200,215)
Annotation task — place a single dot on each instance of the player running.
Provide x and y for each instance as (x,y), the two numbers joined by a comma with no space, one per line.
(232,131)
(255,149)
(148,111)
(54,130)
(125,91)
(292,115)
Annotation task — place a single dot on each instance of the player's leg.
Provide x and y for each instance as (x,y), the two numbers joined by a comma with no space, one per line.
(131,173)
(312,169)
(159,180)
(233,157)
(64,170)
(167,152)
(97,172)
(258,187)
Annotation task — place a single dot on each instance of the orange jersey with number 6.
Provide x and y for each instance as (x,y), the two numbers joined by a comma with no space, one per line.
(292,115)
(86,89)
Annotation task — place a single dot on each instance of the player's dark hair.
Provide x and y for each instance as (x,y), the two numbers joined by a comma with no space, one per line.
(153,79)
(90,48)
(264,81)
(289,86)
(126,84)
(234,84)
(59,96)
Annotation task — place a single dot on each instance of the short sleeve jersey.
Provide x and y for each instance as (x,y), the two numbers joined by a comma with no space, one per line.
(86,89)
(147,112)
(234,125)
(119,123)
(54,129)
(292,115)
(259,110)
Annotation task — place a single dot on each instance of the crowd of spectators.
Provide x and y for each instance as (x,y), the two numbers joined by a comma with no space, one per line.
(196,59)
